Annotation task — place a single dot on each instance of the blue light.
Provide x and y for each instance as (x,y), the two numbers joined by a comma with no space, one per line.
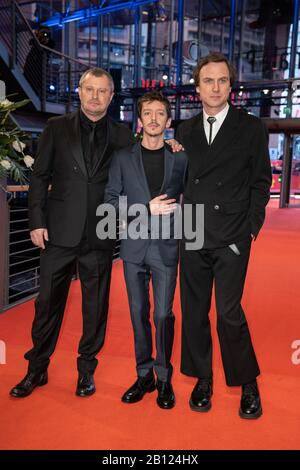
(51,87)
(84,13)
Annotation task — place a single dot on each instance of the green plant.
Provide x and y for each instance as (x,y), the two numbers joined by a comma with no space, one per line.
(13,160)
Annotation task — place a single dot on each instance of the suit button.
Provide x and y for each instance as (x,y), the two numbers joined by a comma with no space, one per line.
(75,168)
(216,207)
(196,181)
(219,184)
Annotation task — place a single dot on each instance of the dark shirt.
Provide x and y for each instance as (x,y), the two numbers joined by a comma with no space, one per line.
(91,156)
(153,161)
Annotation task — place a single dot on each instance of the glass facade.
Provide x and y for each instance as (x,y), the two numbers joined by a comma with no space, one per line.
(156,44)
(258,37)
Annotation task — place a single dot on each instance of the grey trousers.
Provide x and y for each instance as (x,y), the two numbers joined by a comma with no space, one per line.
(137,278)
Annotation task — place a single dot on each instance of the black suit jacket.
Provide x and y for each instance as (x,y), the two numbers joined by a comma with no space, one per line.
(127,178)
(232,177)
(74,197)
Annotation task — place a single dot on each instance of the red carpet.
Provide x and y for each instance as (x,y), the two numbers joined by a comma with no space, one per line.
(54,418)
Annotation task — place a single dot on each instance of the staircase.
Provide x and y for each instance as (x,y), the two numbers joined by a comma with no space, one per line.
(48,77)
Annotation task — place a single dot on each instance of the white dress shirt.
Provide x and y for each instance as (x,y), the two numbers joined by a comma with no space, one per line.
(217,124)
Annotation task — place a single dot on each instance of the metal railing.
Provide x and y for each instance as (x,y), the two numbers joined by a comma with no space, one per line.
(52,76)
(23,257)
(19,259)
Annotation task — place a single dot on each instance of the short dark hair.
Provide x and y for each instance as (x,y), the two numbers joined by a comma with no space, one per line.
(215,57)
(97,72)
(153,96)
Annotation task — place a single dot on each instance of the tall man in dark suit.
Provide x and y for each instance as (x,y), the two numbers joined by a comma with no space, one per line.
(150,175)
(229,173)
(74,156)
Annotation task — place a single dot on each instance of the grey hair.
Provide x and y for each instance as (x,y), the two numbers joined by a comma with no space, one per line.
(97,72)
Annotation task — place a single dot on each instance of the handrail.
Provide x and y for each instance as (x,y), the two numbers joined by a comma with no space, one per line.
(42,46)
(65,56)
(20,188)
(52,76)
(17,188)
(16,5)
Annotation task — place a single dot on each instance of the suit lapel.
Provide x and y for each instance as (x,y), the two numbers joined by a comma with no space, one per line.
(226,132)
(198,140)
(139,167)
(108,148)
(168,169)
(73,131)
(197,146)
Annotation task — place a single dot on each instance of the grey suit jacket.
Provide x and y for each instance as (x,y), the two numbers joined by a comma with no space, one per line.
(127,178)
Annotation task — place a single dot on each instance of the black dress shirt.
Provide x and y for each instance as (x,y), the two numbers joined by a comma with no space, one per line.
(93,140)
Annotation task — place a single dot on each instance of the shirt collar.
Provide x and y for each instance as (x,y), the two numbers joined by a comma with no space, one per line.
(220,116)
(85,120)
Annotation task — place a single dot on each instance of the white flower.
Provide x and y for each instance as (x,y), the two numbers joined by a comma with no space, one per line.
(5,103)
(6,164)
(29,161)
(18,146)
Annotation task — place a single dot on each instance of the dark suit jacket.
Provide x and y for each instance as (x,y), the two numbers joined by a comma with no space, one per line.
(127,178)
(74,196)
(232,177)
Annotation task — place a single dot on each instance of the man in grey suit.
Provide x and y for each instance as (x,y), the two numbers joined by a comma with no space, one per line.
(150,175)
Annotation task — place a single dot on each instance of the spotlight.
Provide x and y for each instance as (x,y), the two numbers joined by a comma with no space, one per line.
(165,76)
(51,87)
(192,80)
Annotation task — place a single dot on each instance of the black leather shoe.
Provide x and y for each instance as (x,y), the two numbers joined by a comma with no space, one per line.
(250,407)
(165,398)
(139,388)
(201,395)
(28,384)
(85,385)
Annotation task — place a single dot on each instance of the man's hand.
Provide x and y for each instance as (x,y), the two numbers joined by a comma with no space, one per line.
(38,236)
(160,205)
(176,146)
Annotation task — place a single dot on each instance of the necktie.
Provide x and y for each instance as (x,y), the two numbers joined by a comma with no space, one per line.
(91,146)
(210,120)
